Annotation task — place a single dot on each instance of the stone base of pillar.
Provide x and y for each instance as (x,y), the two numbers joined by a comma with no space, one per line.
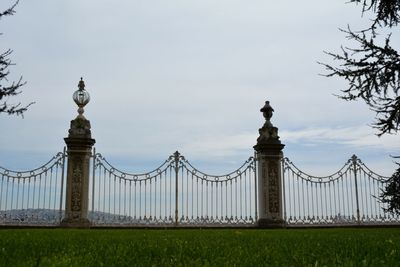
(271,223)
(81,223)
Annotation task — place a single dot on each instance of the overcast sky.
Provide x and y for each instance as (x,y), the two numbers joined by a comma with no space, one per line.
(188,76)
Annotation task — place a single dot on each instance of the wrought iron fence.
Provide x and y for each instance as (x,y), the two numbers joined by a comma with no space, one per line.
(349,196)
(33,197)
(175,193)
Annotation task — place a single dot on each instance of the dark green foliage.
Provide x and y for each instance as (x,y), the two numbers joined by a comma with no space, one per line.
(387,11)
(391,194)
(7,89)
(372,68)
(373,74)
(313,247)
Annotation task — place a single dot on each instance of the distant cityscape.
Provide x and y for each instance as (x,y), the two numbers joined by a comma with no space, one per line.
(31,216)
(49,217)
(43,216)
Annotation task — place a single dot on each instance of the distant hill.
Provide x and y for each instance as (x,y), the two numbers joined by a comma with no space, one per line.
(54,217)
(31,216)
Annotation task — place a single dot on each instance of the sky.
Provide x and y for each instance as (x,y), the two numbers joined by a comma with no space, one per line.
(188,76)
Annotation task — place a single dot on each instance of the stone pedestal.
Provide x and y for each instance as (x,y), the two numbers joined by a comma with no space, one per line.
(269,155)
(269,185)
(79,147)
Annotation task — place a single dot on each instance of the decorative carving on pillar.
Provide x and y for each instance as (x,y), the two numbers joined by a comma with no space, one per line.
(265,188)
(273,188)
(76,189)
(80,128)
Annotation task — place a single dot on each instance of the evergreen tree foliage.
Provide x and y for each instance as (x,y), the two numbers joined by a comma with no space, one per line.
(9,89)
(391,193)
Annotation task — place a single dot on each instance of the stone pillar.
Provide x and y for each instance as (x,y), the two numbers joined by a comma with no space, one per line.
(269,155)
(79,146)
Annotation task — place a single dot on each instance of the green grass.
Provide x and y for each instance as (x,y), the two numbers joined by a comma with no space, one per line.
(311,247)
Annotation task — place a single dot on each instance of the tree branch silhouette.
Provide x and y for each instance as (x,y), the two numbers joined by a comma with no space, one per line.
(8,89)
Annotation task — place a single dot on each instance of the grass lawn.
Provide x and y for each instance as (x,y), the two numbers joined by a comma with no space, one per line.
(228,247)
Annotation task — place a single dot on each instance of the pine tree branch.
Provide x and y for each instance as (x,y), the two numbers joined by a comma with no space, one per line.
(373,75)
(387,11)
(10,11)
(13,89)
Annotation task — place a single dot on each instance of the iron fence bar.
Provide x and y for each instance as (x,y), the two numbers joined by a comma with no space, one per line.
(115,197)
(40,189)
(104,188)
(170,191)
(165,194)
(370,193)
(44,193)
(236,198)
(182,192)
(176,157)
(145,199)
(290,185)
(130,199)
(197,197)
(23,194)
(17,198)
(119,197)
(33,196)
(160,195)
(55,188)
(376,192)
(338,196)
(51,178)
(347,195)
(222,201)
(354,161)
(64,154)
(211,202)
(93,177)
(1,191)
(245,195)
(283,189)
(140,199)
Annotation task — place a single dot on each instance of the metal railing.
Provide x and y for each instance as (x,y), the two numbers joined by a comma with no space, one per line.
(175,193)
(178,194)
(348,196)
(34,197)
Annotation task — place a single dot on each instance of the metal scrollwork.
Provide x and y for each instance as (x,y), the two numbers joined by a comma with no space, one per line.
(173,193)
(348,196)
(28,197)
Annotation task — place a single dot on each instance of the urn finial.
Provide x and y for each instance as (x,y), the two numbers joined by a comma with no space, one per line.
(81,98)
(267,111)
(268,133)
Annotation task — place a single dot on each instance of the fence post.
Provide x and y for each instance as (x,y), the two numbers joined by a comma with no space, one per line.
(269,155)
(176,158)
(62,182)
(79,146)
(354,161)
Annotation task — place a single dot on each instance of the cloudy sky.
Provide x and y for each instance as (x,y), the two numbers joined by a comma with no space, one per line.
(188,76)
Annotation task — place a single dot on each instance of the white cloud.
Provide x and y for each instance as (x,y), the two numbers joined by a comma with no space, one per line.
(356,136)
